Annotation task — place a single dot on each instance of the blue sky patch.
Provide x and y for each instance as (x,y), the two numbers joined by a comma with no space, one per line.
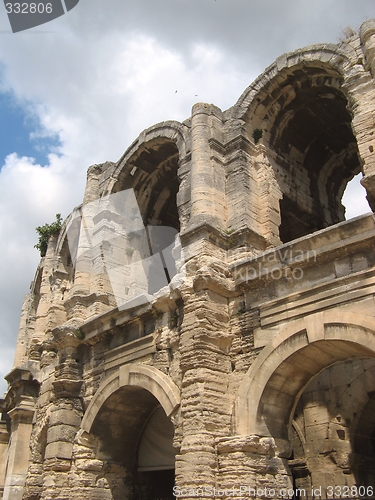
(16,127)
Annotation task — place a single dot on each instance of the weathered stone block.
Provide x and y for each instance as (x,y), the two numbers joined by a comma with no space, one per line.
(59,450)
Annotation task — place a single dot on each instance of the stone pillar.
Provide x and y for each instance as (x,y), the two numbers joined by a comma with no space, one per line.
(80,238)
(4,443)
(46,270)
(20,355)
(367,35)
(92,183)
(207,176)
(65,416)
(92,478)
(205,363)
(361,89)
(88,235)
(19,451)
(269,217)
(251,467)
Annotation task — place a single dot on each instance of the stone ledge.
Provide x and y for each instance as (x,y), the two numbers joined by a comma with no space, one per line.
(249,444)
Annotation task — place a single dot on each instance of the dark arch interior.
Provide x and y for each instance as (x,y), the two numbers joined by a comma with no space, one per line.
(363,444)
(333,427)
(316,154)
(123,424)
(293,374)
(152,173)
(120,422)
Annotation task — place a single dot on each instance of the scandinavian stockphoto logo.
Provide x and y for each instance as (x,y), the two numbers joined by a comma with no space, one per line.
(24,15)
(107,237)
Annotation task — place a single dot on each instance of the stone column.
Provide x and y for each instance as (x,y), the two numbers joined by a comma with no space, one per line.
(251,467)
(93,228)
(65,416)
(4,443)
(92,183)
(207,176)
(19,451)
(367,34)
(361,89)
(205,363)
(46,269)
(269,217)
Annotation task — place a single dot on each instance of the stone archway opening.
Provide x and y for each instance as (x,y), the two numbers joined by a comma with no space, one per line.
(136,445)
(314,143)
(286,396)
(306,121)
(130,428)
(287,382)
(152,172)
(311,390)
(333,425)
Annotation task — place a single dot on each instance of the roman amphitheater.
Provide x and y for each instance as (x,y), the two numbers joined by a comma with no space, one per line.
(247,368)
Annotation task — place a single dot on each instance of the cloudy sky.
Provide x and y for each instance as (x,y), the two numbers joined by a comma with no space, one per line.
(79,90)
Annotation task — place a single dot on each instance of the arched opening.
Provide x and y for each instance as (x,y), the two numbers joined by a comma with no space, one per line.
(129,418)
(316,150)
(152,172)
(136,445)
(295,373)
(335,419)
(304,114)
(312,388)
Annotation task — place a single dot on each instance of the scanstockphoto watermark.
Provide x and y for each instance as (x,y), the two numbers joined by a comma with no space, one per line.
(239,491)
(280,263)
(245,491)
(27,14)
(107,237)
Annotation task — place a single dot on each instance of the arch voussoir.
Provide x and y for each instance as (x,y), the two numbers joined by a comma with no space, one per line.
(136,375)
(305,347)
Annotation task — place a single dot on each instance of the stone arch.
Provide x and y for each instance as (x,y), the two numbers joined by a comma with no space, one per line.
(64,247)
(330,56)
(132,404)
(304,104)
(129,427)
(150,167)
(134,375)
(169,130)
(270,390)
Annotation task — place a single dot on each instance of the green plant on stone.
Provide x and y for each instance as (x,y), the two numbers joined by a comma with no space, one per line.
(231,242)
(79,333)
(45,232)
(156,313)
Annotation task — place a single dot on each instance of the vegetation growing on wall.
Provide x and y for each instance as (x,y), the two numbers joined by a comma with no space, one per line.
(257,134)
(45,232)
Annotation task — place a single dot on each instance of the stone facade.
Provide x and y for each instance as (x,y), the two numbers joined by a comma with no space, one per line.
(253,374)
